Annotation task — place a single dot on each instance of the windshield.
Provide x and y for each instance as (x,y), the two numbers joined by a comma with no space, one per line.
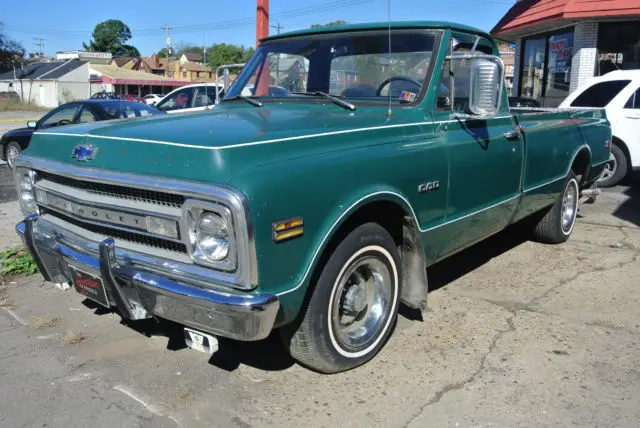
(356,66)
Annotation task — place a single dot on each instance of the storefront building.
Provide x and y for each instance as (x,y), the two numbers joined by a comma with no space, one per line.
(561,44)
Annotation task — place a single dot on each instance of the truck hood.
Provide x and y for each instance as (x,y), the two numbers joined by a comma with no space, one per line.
(208,146)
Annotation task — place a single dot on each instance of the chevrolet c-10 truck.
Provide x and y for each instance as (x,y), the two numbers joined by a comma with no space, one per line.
(313,210)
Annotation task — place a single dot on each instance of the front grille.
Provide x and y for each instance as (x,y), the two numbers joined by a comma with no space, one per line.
(115,191)
(124,235)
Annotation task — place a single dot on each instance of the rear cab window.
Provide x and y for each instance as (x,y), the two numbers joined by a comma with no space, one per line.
(600,94)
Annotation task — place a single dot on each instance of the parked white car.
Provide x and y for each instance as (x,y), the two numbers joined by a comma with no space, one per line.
(190,98)
(618,92)
(152,99)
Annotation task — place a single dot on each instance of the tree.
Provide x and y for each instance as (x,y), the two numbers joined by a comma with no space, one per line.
(223,53)
(11,52)
(111,36)
(329,24)
(162,53)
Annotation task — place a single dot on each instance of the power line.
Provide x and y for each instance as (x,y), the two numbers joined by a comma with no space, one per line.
(291,13)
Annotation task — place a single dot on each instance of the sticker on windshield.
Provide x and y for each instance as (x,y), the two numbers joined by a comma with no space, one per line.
(407,96)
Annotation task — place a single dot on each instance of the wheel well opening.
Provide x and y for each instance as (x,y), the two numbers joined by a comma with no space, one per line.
(618,142)
(388,214)
(581,165)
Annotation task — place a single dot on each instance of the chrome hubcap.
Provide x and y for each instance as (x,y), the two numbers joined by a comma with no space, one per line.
(12,154)
(569,206)
(610,168)
(361,302)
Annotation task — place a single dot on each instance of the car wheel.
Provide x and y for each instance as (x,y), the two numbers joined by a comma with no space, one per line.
(558,222)
(353,306)
(616,168)
(11,153)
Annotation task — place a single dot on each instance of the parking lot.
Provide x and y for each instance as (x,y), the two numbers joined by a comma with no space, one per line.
(516,334)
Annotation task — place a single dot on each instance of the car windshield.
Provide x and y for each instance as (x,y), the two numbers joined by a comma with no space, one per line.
(356,66)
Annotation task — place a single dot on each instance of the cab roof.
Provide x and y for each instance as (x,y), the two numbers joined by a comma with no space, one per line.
(372,26)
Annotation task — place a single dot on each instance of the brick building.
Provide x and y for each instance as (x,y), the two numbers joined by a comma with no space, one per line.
(561,44)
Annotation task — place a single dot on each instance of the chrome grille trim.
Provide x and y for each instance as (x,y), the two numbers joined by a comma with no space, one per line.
(246,274)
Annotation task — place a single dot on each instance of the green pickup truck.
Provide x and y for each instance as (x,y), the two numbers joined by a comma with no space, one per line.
(341,163)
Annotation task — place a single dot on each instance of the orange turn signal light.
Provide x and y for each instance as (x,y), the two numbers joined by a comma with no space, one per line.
(287,229)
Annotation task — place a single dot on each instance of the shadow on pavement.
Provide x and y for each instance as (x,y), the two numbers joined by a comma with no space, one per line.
(629,210)
(269,354)
(7,187)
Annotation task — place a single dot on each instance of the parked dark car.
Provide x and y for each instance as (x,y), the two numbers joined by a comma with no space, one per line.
(523,102)
(15,141)
(105,96)
(10,95)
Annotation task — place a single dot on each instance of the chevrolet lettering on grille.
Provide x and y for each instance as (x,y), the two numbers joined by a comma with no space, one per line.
(93,213)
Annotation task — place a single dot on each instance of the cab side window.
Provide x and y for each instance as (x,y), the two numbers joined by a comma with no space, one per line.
(86,116)
(453,88)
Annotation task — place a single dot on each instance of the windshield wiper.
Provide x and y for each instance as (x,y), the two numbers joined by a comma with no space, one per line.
(333,98)
(245,99)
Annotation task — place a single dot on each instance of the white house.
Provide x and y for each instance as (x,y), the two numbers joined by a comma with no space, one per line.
(49,84)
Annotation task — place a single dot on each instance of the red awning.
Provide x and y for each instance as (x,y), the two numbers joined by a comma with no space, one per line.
(116,81)
(530,13)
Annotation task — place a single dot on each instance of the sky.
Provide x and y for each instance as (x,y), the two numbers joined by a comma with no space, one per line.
(65,24)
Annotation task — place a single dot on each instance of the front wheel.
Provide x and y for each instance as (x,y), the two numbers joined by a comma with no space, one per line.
(557,224)
(12,151)
(353,306)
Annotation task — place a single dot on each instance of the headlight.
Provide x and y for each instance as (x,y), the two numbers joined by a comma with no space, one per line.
(25,184)
(211,235)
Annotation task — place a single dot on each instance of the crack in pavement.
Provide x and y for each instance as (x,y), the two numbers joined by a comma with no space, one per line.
(461,384)
(513,308)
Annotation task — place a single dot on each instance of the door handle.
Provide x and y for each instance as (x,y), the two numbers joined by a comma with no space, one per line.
(512,135)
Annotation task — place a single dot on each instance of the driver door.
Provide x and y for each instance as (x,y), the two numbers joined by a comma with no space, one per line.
(485,160)
(62,116)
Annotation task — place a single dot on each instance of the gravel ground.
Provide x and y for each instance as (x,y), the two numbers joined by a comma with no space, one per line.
(516,334)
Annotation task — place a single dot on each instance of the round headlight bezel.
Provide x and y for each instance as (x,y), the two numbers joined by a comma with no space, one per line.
(211,236)
(193,211)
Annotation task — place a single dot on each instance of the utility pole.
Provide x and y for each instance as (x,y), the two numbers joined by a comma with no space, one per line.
(39,45)
(167,39)
(277,27)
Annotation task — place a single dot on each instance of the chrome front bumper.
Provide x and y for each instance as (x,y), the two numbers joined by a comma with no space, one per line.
(137,291)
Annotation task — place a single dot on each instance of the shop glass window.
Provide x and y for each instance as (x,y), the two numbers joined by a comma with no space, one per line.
(558,73)
(600,94)
(618,46)
(533,68)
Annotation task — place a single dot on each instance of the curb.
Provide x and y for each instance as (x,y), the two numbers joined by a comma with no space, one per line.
(17,120)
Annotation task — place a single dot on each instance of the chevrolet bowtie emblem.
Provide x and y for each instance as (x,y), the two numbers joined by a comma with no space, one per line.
(84,152)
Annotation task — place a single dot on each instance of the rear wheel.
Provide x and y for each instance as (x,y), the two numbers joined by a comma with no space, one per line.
(557,224)
(353,306)
(12,151)
(616,168)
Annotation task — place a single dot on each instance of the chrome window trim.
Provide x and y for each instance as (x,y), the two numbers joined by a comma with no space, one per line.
(246,277)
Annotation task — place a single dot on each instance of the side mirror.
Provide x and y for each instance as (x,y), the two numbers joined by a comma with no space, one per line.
(32,124)
(486,86)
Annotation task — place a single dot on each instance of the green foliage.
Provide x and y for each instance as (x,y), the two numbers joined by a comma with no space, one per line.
(17,262)
(223,53)
(162,53)
(10,51)
(329,24)
(111,36)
